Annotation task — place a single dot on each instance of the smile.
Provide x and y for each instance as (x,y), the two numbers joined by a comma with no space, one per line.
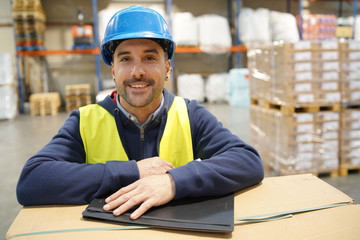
(138,85)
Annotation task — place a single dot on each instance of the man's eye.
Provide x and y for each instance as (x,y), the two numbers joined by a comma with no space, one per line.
(150,58)
(124,59)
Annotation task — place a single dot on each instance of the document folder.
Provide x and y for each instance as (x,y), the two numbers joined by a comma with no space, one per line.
(215,214)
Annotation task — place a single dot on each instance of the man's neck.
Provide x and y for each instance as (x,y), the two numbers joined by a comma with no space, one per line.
(141,113)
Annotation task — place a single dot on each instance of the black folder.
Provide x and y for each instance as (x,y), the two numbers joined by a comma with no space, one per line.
(210,214)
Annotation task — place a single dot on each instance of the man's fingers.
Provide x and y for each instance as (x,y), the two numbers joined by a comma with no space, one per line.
(119,197)
(144,207)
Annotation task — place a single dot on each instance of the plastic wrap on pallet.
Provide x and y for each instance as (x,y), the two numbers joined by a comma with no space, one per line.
(350,71)
(6,73)
(191,86)
(302,73)
(350,138)
(238,87)
(185,29)
(214,33)
(216,88)
(8,99)
(296,143)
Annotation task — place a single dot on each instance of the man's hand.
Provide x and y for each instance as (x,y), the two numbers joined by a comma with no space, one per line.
(150,191)
(153,166)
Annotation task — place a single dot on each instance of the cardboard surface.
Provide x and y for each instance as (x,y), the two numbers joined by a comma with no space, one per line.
(277,194)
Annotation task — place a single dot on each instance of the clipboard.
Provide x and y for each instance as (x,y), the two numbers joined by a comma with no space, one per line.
(209,214)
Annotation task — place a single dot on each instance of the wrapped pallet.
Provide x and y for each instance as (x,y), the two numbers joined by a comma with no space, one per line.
(185,29)
(191,86)
(216,88)
(8,95)
(214,33)
(238,87)
(295,143)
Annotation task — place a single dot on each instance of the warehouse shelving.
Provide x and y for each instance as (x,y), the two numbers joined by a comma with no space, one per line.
(20,57)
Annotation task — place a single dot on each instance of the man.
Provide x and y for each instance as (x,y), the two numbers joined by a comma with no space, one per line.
(139,145)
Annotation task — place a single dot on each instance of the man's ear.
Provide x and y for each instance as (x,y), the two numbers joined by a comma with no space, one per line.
(168,69)
(112,70)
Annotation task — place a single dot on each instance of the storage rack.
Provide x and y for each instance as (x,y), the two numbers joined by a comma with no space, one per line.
(20,56)
(238,48)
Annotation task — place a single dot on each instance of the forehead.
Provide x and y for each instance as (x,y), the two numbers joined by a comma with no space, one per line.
(139,43)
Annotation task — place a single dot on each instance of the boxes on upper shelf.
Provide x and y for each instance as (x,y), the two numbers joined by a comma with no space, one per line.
(296,74)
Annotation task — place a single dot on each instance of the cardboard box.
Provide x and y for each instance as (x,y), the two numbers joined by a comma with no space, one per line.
(273,196)
(296,143)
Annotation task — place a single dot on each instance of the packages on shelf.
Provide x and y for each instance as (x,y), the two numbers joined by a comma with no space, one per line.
(318,26)
(238,87)
(350,139)
(45,103)
(214,33)
(303,73)
(76,96)
(185,29)
(29,24)
(296,143)
(264,26)
(191,86)
(216,89)
(8,99)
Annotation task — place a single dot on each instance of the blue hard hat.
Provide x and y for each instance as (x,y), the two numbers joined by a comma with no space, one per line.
(136,22)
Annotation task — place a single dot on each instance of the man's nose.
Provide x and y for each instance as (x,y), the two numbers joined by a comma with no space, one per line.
(138,70)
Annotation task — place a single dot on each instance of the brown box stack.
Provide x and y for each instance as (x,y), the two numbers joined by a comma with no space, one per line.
(350,114)
(45,103)
(300,142)
(350,140)
(296,74)
(76,96)
(296,99)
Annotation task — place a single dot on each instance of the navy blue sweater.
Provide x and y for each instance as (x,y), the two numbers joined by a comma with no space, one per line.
(58,174)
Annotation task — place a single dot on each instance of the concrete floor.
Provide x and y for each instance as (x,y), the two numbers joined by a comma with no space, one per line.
(23,136)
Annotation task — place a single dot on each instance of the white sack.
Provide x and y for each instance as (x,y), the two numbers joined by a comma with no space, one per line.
(214,33)
(191,86)
(283,27)
(216,88)
(254,26)
(185,29)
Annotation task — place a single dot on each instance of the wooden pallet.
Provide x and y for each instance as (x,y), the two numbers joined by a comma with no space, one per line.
(45,103)
(331,173)
(309,108)
(343,171)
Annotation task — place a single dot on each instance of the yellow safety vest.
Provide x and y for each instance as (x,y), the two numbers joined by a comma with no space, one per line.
(102,142)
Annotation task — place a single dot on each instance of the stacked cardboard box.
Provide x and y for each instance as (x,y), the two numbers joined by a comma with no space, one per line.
(298,142)
(29,19)
(45,103)
(76,96)
(350,114)
(350,140)
(296,74)
(295,92)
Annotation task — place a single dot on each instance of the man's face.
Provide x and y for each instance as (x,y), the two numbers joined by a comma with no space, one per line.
(140,68)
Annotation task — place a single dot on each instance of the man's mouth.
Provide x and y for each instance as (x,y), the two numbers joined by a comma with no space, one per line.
(138,85)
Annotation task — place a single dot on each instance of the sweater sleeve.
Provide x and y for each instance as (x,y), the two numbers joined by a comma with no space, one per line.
(227,163)
(58,174)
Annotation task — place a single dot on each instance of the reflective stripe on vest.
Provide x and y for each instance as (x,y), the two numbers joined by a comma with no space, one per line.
(102,142)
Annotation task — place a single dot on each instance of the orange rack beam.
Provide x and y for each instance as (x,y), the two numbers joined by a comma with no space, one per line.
(198,50)
(58,52)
